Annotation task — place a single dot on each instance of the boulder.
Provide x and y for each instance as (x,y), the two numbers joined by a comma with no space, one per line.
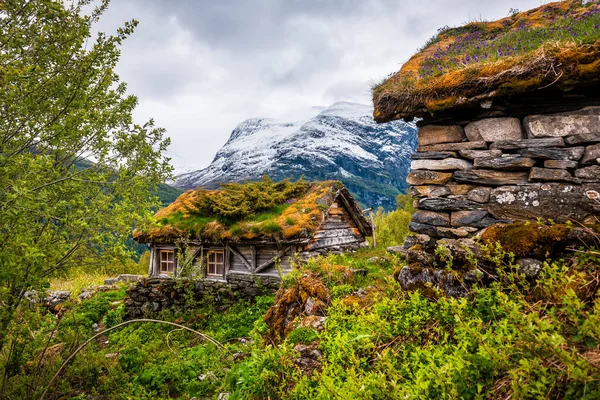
(491,177)
(507,161)
(434,155)
(589,174)
(480,194)
(560,164)
(454,146)
(494,129)
(430,191)
(425,229)
(436,134)
(456,233)
(541,126)
(591,154)
(526,143)
(419,278)
(553,153)
(551,175)
(473,154)
(468,218)
(583,138)
(557,201)
(448,204)
(417,178)
(431,218)
(447,164)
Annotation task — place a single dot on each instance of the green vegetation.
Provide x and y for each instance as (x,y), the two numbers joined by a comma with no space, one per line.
(63,104)
(392,227)
(243,210)
(515,338)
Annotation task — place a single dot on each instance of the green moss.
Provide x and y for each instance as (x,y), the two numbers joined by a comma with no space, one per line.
(528,238)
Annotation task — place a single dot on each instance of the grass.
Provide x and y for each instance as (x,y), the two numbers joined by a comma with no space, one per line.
(556,44)
(78,281)
(263,209)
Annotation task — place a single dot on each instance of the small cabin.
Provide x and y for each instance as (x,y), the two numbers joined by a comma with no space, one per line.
(254,228)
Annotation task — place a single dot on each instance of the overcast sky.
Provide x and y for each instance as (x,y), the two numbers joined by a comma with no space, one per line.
(200,67)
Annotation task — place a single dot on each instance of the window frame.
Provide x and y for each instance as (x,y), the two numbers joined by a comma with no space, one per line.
(166,262)
(214,263)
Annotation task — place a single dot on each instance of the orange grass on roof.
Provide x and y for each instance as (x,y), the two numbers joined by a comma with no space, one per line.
(290,210)
(556,45)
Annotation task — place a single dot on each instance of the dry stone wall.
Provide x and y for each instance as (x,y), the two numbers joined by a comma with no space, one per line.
(470,176)
(155,294)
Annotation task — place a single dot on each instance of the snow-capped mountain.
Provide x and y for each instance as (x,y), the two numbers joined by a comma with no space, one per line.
(342,142)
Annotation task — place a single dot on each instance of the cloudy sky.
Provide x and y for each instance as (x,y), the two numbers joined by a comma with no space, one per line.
(199,67)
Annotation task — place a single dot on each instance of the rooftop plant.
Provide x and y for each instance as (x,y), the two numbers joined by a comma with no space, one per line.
(556,44)
(250,210)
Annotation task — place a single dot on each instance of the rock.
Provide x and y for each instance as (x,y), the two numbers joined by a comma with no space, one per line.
(111,355)
(431,218)
(434,155)
(396,250)
(530,266)
(494,129)
(461,250)
(491,177)
(456,233)
(507,161)
(412,240)
(459,189)
(480,194)
(560,164)
(474,154)
(85,296)
(454,146)
(111,281)
(591,154)
(583,138)
(315,322)
(431,191)
(421,257)
(551,175)
(527,143)
(468,218)
(550,153)
(428,230)
(223,396)
(540,126)
(447,164)
(416,277)
(589,174)
(309,360)
(128,278)
(557,201)
(435,134)
(447,204)
(417,178)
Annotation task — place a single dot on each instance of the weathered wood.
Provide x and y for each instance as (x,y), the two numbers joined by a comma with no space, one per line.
(271,262)
(241,257)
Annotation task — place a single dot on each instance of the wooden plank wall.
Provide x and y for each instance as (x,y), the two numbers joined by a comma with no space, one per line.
(338,229)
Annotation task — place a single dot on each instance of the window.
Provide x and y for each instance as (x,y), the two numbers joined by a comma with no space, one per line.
(216,263)
(167,262)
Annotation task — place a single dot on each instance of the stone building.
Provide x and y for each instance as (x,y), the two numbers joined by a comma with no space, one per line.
(508,131)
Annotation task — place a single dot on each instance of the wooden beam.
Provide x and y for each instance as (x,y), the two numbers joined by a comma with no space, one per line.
(269,263)
(241,257)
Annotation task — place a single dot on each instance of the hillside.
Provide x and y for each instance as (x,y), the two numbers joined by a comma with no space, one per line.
(342,142)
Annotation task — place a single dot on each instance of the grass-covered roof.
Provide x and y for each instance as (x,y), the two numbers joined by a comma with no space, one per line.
(556,45)
(251,211)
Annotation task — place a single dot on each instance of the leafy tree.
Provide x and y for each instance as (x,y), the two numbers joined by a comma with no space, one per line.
(61,103)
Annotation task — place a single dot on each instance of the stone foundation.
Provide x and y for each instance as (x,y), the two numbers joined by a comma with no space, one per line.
(470,176)
(154,294)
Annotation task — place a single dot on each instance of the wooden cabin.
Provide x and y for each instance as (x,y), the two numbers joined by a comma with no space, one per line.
(191,238)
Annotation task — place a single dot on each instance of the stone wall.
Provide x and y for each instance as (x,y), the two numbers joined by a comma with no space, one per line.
(467,177)
(154,294)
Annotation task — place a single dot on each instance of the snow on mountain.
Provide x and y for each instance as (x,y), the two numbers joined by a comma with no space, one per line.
(341,142)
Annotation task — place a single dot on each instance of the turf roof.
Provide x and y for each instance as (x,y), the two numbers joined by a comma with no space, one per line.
(252,211)
(556,45)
